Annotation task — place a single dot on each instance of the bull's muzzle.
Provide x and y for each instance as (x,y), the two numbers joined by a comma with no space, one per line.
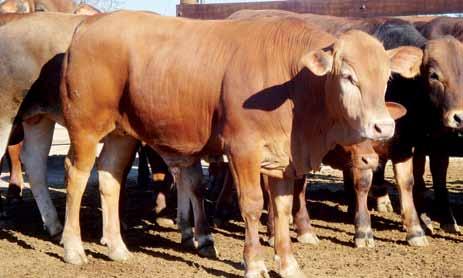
(380,130)
(454,119)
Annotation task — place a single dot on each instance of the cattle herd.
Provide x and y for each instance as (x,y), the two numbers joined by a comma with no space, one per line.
(275,93)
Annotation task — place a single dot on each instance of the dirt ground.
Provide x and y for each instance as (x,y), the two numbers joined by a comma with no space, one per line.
(27,251)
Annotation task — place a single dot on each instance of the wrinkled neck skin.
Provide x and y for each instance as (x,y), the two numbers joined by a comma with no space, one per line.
(315,132)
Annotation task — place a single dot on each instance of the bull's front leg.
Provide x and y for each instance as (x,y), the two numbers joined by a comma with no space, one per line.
(439,163)
(245,169)
(281,192)
(403,171)
(362,179)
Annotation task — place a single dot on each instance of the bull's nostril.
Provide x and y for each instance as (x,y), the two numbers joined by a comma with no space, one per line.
(457,118)
(378,129)
(364,160)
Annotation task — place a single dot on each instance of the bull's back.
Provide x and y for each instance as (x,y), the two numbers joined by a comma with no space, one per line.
(157,81)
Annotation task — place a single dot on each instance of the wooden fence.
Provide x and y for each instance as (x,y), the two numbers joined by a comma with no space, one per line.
(354,8)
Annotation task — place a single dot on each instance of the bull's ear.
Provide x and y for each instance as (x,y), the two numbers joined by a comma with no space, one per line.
(396,110)
(406,60)
(319,62)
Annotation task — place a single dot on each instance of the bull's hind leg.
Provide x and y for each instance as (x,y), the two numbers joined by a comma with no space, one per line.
(245,169)
(305,231)
(16,184)
(404,177)
(190,189)
(112,165)
(37,142)
(282,200)
(78,165)
(419,189)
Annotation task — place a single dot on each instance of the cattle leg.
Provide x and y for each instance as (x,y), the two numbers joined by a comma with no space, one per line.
(224,203)
(163,181)
(143,169)
(16,184)
(439,163)
(190,189)
(245,169)
(419,189)
(112,170)
(383,202)
(282,193)
(6,125)
(305,231)
(404,177)
(38,138)
(78,165)
(362,183)
(349,190)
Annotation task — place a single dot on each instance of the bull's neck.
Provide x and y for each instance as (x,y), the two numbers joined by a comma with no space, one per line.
(313,128)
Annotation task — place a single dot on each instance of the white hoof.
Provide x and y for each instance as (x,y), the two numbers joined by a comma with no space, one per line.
(308,238)
(256,270)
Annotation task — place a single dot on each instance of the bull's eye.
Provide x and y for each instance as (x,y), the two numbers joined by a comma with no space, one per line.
(434,76)
(350,78)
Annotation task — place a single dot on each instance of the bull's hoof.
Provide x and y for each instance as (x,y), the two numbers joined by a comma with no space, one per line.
(295,274)
(451,228)
(14,194)
(256,270)
(291,270)
(308,238)
(364,239)
(427,223)
(418,241)
(384,205)
(208,251)
(189,243)
(364,242)
(165,222)
(75,256)
(55,231)
(119,254)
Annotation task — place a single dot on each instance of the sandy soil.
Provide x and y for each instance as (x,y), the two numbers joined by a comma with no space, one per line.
(27,251)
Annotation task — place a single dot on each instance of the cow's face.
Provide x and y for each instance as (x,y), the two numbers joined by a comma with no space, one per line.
(443,74)
(358,69)
(363,155)
(16,6)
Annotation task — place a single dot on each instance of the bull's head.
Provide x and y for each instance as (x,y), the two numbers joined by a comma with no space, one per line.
(442,72)
(358,69)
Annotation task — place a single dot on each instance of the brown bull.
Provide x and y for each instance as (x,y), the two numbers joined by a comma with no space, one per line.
(432,106)
(273,95)
(440,146)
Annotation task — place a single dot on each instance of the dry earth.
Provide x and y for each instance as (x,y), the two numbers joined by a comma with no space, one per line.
(26,250)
